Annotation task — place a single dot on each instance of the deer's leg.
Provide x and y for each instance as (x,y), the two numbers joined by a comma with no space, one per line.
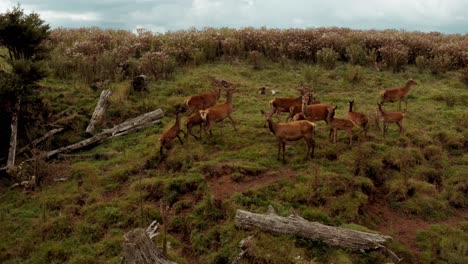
(284,148)
(399,105)
(400,126)
(350,135)
(180,140)
(335,131)
(279,150)
(308,148)
(233,123)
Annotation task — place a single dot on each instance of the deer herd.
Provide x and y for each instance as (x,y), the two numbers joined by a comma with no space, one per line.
(204,111)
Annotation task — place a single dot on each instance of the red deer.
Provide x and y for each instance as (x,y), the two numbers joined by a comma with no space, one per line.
(169,135)
(194,120)
(390,117)
(397,94)
(297,109)
(315,112)
(292,131)
(359,119)
(284,104)
(205,100)
(219,112)
(339,124)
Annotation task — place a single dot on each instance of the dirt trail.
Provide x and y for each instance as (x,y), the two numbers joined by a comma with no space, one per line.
(224,186)
(403,228)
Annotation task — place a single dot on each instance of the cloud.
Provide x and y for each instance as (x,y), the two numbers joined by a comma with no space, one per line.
(450,16)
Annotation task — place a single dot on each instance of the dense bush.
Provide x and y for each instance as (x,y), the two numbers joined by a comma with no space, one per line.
(395,56)
(440,64)
(327,57)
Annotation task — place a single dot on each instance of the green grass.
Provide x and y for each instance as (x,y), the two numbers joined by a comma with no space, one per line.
(421,173)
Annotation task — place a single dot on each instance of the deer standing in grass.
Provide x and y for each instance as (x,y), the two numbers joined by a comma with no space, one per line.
(297,109)
(397,94)
(219,112)
(169,135)
(315,112)
(204,100)
(390,117)
(336,124)
(284,104)
(359,119)
(292,131)
(194,120)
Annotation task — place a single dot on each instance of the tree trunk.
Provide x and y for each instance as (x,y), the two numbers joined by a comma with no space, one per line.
(138,248)
(99,111)
(298,226)
(131,124)
(13,137)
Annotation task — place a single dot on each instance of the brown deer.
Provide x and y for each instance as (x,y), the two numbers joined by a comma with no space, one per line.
(219,112)
(292,131)
(284,104)
(336,124)
(390,117)
(194,120)
(204,100)
(397,94)
(315,112)
(169,135)
(296,109)
(359,119)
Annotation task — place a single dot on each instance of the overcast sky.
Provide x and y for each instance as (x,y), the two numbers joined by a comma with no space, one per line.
(448,16)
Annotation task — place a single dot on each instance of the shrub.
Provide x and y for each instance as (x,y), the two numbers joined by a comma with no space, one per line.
(443,244)
(356,54)
(354,74)
(421,63)
(158,64)
(395,56)
(256,59)
(327,57)
(440,64)
(464,76)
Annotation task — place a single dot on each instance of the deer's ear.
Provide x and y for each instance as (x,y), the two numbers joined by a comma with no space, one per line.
(263,112)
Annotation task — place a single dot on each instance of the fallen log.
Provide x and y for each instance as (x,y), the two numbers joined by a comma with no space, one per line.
(298,226)
(39,140)
(99,111)
(138,121)
(139,248)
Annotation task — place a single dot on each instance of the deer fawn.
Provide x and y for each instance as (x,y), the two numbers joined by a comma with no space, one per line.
(204,100)
(397,94)
(359,119)
(315,112)
(390,117)
(219,112)
(169,135)
(339,124)
(292,131)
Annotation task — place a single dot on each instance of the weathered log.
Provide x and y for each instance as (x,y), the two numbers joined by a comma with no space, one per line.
(138,121)
(298,226)
(13,137)
(99,111)
(138,248)
(39,140)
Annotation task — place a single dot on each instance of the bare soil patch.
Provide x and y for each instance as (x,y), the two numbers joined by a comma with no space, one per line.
(225,185)
(403,228)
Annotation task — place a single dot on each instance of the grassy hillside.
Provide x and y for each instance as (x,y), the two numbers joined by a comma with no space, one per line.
(418,179)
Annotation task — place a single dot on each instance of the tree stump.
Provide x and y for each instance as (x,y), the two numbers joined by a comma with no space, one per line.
(138,248)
